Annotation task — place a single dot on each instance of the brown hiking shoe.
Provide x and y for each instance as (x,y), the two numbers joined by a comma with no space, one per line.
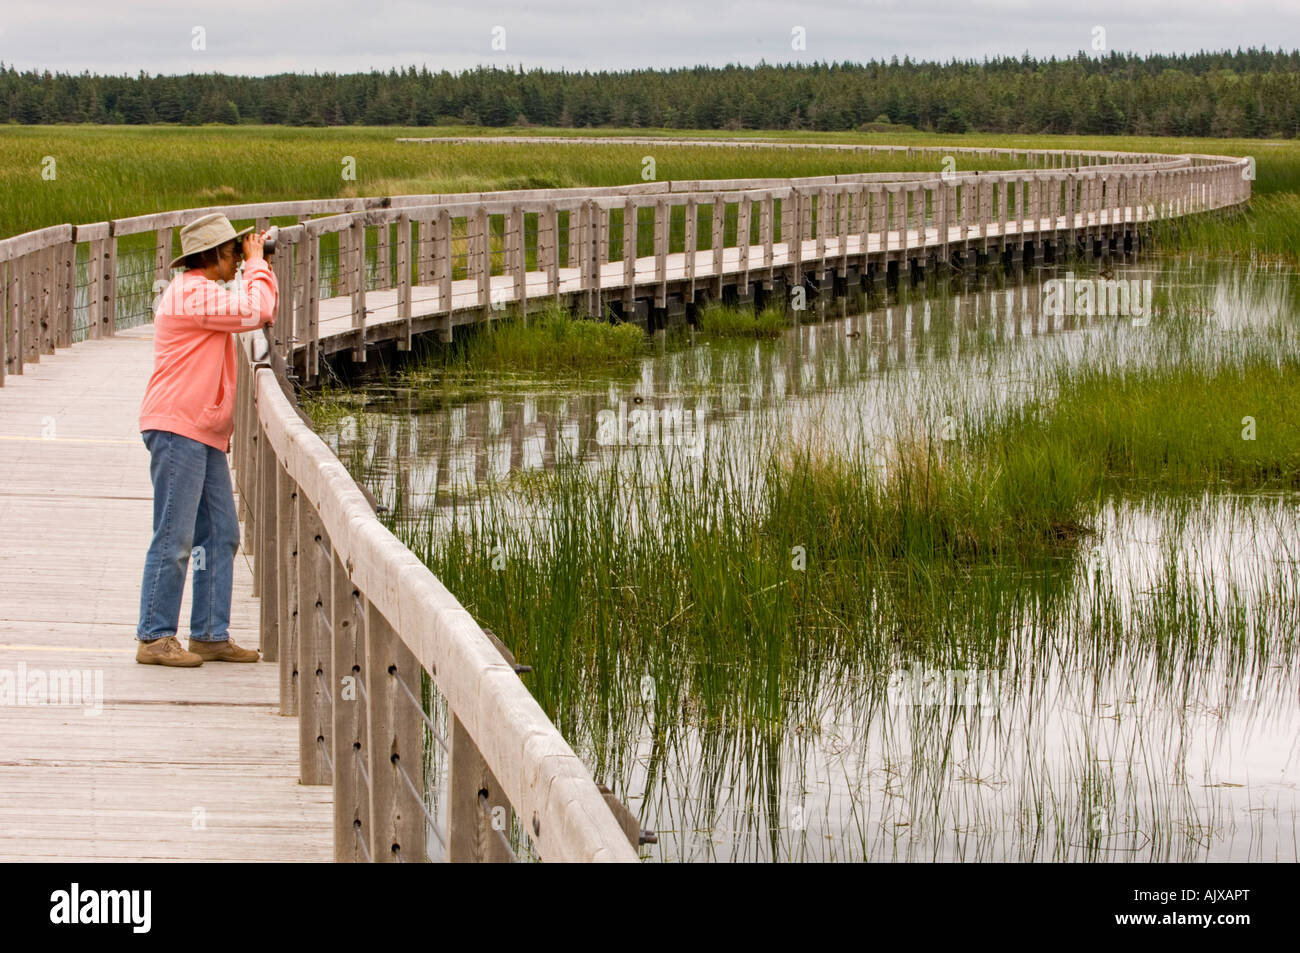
(224,651)
(166,651)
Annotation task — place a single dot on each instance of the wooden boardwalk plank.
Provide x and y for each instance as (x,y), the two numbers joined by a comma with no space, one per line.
(175,764)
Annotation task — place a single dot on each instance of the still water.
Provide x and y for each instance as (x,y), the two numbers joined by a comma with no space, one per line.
(1139,702)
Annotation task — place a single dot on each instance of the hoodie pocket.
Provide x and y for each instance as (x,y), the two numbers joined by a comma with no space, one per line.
(216,417)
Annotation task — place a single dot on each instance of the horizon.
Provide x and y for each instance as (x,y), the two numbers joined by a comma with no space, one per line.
(517,69)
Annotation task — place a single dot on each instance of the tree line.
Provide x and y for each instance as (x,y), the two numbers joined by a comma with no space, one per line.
(1246,93)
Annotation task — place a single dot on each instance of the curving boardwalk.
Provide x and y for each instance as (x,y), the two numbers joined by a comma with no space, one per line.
(146,762)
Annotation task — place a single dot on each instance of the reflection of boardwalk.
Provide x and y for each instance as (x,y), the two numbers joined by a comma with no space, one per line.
(179,764)
(428,456)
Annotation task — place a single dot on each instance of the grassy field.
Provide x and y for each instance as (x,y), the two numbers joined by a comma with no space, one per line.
(103,172)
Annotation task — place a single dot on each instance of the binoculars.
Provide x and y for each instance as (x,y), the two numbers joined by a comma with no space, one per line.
(268,243)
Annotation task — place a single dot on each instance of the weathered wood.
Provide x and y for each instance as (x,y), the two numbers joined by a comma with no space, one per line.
(219,782)
(475,830)
(630,225)
(383,264)
(483,259)
(357,286)
(742,241)
(691,247)
(267,565)
(350,752)
(717,244)
(661,237)
(286,534)
(404,278)
(549,252)
(316,688)
(397,823)
(518,262)
(443,273)
(312,336)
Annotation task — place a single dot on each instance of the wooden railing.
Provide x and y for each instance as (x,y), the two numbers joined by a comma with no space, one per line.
(390,677)
(423,241)
(359,626)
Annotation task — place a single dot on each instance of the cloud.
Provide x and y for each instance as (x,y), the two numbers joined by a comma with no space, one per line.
(256,38)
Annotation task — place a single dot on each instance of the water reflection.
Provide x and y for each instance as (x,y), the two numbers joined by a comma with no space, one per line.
(1138,702)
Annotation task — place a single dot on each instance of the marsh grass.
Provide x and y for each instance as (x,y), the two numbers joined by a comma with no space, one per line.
(699,637)
(720,320)
(551,343)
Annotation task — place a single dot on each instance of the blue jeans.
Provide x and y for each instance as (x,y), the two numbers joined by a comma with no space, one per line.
(193,515)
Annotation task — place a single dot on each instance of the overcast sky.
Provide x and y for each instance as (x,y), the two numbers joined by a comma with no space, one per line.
(351,35)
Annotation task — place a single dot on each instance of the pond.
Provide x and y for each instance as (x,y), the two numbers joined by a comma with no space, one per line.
(1129,694)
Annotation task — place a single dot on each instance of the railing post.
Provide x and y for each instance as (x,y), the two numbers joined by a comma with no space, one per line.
(351,751)
(661,235)
(905,227)
(108,311)
(286,535)
(396,745)
(1070,188)
(475,831)
(518,262)
(282,330)
(27,309)
(13,310)
(630,215)
(356,231)
(67,291)
(404,278)
(598,222)
(552,265)
(316,690)
(825,212)
(483,259)
(766,235)
(691,241)
(248,453)
(49,308)
(744,212)
(472,827)
(881,203)
(4,320)
(443,271)
(343,261)
(268,549)
(383,269)
(162,254)
(312,337)
(719,221)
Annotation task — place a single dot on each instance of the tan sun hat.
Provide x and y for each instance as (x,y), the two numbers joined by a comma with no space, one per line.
(206,231)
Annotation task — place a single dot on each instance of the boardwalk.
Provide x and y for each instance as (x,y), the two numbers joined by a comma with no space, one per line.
(203,764)
(382,305)
(180,764)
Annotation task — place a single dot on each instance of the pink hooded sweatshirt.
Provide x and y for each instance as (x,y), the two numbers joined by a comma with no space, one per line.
(192,389)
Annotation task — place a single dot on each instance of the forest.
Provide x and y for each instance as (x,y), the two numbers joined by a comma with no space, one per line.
(1251,93)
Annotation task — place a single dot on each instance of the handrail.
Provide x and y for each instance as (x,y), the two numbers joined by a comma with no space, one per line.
(379,617)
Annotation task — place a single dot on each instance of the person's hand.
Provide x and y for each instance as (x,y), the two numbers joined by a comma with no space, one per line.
(253,242)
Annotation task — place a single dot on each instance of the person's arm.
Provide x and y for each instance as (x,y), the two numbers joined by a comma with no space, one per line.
(216,309)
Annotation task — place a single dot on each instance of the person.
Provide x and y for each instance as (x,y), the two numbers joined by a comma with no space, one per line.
(186,421)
